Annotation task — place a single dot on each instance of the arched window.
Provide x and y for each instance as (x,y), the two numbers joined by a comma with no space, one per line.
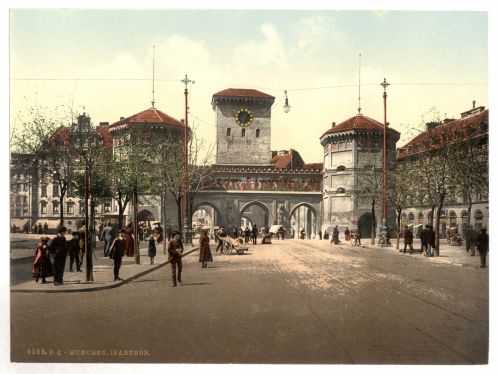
(341,190)
(243,131)
(453,218)
(478,216)
(228,132)
(404,220)
(341,168)
(420,218)
(411,219)
(257,133)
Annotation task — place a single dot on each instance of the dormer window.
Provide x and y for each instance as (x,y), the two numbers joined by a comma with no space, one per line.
(341,190)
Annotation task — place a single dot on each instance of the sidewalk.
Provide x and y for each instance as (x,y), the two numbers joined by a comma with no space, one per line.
(102,271)
(448,254)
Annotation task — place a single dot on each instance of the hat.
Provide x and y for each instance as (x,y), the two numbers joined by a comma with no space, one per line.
(44,238)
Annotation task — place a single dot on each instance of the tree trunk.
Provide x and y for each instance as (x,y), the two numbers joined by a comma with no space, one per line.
(164,221)
(61,212)
(179,214)
(438,221)
(374,223)
(398,226)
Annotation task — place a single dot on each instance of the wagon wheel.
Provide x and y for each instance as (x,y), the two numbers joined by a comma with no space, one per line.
(240,251)
(227,248)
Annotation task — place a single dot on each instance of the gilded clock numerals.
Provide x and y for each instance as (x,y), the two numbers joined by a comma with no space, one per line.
(244,117)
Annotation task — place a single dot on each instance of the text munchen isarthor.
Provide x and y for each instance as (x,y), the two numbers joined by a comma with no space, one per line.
(87,352)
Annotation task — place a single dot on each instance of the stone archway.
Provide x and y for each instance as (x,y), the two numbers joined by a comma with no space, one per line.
(217,219)
(303,216)
(256,212)
(145,215)
(365,225)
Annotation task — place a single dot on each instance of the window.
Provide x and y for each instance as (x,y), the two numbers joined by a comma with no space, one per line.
(228,132)
(71,208)
(44,190)
(257,133)
(107,207)
(341,190)
(341,168)
(411,219)
(368,167)
(453,218)
(55,208)
(478,216)
(243,131)
(43,207)
(55,190)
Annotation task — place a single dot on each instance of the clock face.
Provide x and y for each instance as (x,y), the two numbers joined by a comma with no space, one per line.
(244,117)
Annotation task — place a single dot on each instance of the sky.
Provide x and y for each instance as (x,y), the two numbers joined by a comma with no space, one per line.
(101,62)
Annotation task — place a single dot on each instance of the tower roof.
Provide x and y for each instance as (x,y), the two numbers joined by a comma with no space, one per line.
(358,122)
(242,92)
(151,115)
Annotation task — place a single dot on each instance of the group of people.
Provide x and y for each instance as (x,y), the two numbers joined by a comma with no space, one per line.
(427,240)
(247,234)
(479,241)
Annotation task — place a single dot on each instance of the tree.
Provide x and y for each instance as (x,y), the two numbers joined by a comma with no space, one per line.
(401,182)
(44,141)
(370,184)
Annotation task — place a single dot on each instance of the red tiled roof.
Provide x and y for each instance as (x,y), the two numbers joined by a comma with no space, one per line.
(107,139)
(281,161)
(315,166)
(452,131)
(358,122)
(243,92)
(151,115)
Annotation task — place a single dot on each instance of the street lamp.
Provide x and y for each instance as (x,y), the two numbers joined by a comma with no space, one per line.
(186,230)
(385,230)
(286,107)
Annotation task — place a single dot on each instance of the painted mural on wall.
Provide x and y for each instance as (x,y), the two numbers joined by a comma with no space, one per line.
(295,184)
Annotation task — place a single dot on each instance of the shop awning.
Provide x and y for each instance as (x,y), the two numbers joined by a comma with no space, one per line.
(19,222)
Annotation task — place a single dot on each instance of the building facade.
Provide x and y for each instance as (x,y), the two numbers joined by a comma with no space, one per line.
(470,130)
(353,165)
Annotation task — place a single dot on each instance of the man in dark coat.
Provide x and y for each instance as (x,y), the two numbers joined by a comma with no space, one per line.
(221,234)
(255,233)
(482,243)
(424,239)
(175,249)
(74,252)
(472,235)
(116,252)
(431,240)
(408,237)
(59,249)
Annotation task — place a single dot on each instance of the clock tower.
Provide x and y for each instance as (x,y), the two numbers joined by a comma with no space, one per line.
(243,121)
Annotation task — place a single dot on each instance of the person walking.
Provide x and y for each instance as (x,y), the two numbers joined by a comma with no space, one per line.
(473,240)
(320,235)
(42,267)
(221,234)
(424,239)
(432,240)
(482,243)
(175,249)
(408,238)
(205,253)
(152,247)
(58,247)
(116,252)
(335,235)
(108,234)
(467,237)
(129,240)
(74,252)
(347,234)
(255,233)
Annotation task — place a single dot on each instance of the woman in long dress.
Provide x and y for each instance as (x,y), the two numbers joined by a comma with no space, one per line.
(42,267)
(129,240)
(205,253)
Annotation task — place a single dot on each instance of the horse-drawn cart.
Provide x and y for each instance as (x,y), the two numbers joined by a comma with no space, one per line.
(452,236)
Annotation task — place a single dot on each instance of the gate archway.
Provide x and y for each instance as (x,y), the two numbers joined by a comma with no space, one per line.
(255,212)
(303,216)
(365,223)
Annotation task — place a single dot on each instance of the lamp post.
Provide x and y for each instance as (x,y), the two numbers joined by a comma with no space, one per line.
(385,230)
(186,229)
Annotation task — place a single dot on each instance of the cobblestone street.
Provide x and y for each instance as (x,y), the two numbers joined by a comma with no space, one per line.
(290,302)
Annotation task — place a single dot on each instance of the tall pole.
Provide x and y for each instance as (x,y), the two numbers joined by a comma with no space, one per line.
(384,196)
(187,234)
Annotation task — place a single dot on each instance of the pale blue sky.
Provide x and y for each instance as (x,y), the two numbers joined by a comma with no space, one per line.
(432,59)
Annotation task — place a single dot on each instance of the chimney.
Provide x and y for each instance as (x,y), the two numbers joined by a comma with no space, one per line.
(182,121)
(122,118)
(429,126)
(473,104)
(333,125)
